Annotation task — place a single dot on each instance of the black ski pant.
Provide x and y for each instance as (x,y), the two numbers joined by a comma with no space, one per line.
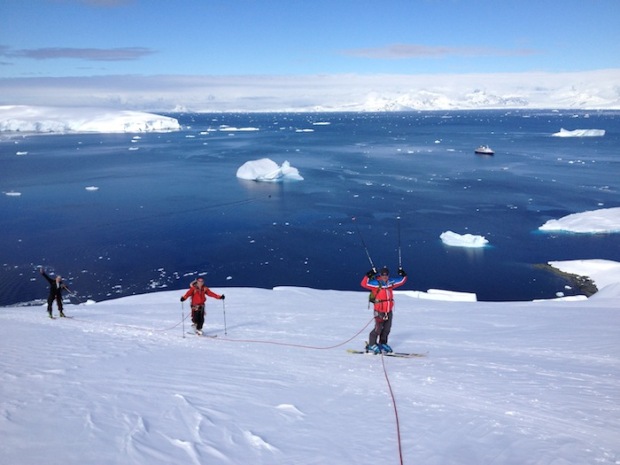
(50,301)
(383,326)
(198,316)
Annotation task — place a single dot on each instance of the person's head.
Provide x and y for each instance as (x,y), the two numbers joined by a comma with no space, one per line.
(384,273)
(200,282)
(58,279)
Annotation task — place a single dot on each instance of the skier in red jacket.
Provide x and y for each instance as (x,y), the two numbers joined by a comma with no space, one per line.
(381,287)
(199,292)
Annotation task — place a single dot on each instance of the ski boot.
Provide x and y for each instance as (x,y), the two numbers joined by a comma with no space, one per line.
(62,315)
(386,349)
(375,349)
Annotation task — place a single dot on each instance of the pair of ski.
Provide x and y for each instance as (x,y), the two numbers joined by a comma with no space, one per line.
(389,354)
(195,333)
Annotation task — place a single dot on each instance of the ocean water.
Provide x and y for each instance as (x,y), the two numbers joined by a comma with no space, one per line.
(169,206)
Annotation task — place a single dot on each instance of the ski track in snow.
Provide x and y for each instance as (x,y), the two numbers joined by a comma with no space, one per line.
(504,383)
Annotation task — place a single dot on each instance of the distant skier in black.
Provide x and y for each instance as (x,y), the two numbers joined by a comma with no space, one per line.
(56,288)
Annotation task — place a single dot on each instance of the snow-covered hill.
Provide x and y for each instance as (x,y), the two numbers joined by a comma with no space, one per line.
(122,382)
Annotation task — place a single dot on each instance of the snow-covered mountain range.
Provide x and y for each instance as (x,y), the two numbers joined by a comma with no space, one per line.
(589,90)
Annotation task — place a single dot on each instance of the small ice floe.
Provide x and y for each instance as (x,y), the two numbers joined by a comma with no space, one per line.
(580,133)
(92,188)
(226,128)
(21,153)
(463,240)
(13,194)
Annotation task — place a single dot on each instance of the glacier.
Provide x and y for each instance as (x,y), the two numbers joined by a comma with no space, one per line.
(36,119)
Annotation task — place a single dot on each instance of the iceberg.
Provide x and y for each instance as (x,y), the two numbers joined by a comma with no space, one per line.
(32,119)
(463,240)
(579,133)
(267,170)
(605,220)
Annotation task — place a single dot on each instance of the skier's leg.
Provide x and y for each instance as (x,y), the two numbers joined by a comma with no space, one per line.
(372,337)
(200,317)
(59,303)
(385,330)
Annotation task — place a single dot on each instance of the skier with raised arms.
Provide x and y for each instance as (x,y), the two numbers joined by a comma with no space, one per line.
(56,288)
(381,287)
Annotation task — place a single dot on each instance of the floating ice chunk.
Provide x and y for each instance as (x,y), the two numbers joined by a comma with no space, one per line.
(226,128)
(440,294)
(463,240)
(13,194)
(92,188)
(266,170)
(580,133)
(605,220)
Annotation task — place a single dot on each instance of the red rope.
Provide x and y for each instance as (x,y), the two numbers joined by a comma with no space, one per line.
(301,346)
(387,379)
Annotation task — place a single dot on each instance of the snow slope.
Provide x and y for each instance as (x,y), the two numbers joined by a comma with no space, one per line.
(121,382)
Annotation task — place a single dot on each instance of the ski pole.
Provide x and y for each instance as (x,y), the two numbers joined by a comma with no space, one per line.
(224,312)
(183,318)
(364,245)
(400,258)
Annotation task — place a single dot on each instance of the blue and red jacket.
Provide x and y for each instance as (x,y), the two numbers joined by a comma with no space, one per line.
(382,290)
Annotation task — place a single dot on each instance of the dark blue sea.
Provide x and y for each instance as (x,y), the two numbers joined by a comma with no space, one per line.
(169,206)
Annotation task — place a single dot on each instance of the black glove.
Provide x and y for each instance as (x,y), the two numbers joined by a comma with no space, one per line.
(223,297)
(182,299)
(372,273)
(401,272)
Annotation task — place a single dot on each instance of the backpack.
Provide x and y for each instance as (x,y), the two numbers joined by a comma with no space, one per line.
(372,297)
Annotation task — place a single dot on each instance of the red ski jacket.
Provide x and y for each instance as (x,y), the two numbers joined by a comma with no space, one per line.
(382,290)
(199,294)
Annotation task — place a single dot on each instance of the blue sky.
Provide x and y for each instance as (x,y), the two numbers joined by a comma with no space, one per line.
(55,38)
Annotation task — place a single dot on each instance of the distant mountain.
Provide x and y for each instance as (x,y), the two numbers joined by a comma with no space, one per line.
(588,90)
